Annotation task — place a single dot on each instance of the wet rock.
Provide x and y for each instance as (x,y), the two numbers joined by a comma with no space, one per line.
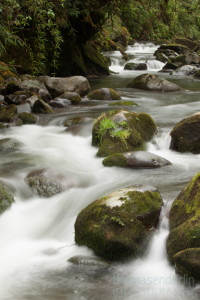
(15,99)
(178,48)
(44,183)
(167,52)
(136,160)
(186,70)
(134,66)
(7,113)
(153,83)
(104,94)
(188,59)
(162,57)
(118,226)
(185,136)
(27,118)
(187,262)
(42,107)
(59,102)
(9,145)
(185,225)
(31,100)
(170,66)
(89,262)
(121,131)
(57,85)
(75,98)
(6,198)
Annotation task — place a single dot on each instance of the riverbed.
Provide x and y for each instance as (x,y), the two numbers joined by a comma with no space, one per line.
(37,234)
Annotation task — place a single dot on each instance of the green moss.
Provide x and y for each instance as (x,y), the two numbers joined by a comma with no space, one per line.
(119,136)
(42,107)
(6,198)
(117,159)
(6,117)
(186,135)
(188,262)
(120,231)
(104,94)
(27,118)
(122,103)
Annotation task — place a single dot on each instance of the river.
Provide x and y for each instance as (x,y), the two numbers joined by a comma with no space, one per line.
(37,234)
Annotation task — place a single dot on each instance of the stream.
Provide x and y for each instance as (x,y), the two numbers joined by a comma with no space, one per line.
(37,234)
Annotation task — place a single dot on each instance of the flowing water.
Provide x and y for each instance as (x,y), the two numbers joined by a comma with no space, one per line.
(37,234)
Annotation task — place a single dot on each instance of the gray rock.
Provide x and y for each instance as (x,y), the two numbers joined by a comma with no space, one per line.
(153,83)
(23,108)
(41,107)
(31,100)
(6,199)
(36,86)
(75,98)
(57,85)
(136,160)
(9,145)
(89,262)
(134,66)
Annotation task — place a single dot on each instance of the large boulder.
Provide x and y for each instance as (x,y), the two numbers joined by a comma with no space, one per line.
(27,118)
(120,131)
(187,262)
(74,98)
(185,227)
(118,225)
(185,136)
(136,160)
(89,262)
(178,48)
(186,59)
(104,94)
(187,42)
(36,86)
(42,107)
(59,85)
(6,199)
(153,83)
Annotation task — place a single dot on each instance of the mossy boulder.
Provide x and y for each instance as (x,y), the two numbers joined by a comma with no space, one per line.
(7,113)
(184,59)
(185,136)
(75,98)
(178,48)
(42,107)
(136,160)
(187,42)
(167,52)
(6,199)
(170,66)
(120,131)
(187,262)
(136,67)
(118,226)
(185,224)
(5,73)
(153,83)
(27,118)
(104,94)
(162,57)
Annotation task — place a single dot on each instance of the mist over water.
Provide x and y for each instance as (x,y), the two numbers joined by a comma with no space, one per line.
(37,234)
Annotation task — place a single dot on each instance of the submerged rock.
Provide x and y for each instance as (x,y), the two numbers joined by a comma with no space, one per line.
(6,199)
(118,226)
(43,183)
(185,136)
(89,262)
(184,236)
(27,118)
(153,83)
(136,160)
(104,94)
(9,145)
(121,131)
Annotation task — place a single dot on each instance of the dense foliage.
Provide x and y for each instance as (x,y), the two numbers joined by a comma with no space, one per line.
(60,36)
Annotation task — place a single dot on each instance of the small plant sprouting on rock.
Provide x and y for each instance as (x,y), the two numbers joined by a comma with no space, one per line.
(117,220)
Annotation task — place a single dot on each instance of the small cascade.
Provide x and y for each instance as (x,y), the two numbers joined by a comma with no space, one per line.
(154,65)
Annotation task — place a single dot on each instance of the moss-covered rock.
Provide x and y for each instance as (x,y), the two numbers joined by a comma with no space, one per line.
(185,136)
(7,113)
(120,131)
(187,262)
(122,103)
(27,118)
(5,73)
(75,98)
(104,94)
(185,221)
(40,106)
(153,83)
(95,263)
(135,160)
(178,48)
(188,59)
(6,199)
(187,42)
(162,57)
(118,225)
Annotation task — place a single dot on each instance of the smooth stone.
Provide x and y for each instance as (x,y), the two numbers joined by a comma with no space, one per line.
(89,262)
(23,108)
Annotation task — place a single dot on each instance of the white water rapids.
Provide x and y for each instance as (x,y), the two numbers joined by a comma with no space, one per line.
(37,234)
